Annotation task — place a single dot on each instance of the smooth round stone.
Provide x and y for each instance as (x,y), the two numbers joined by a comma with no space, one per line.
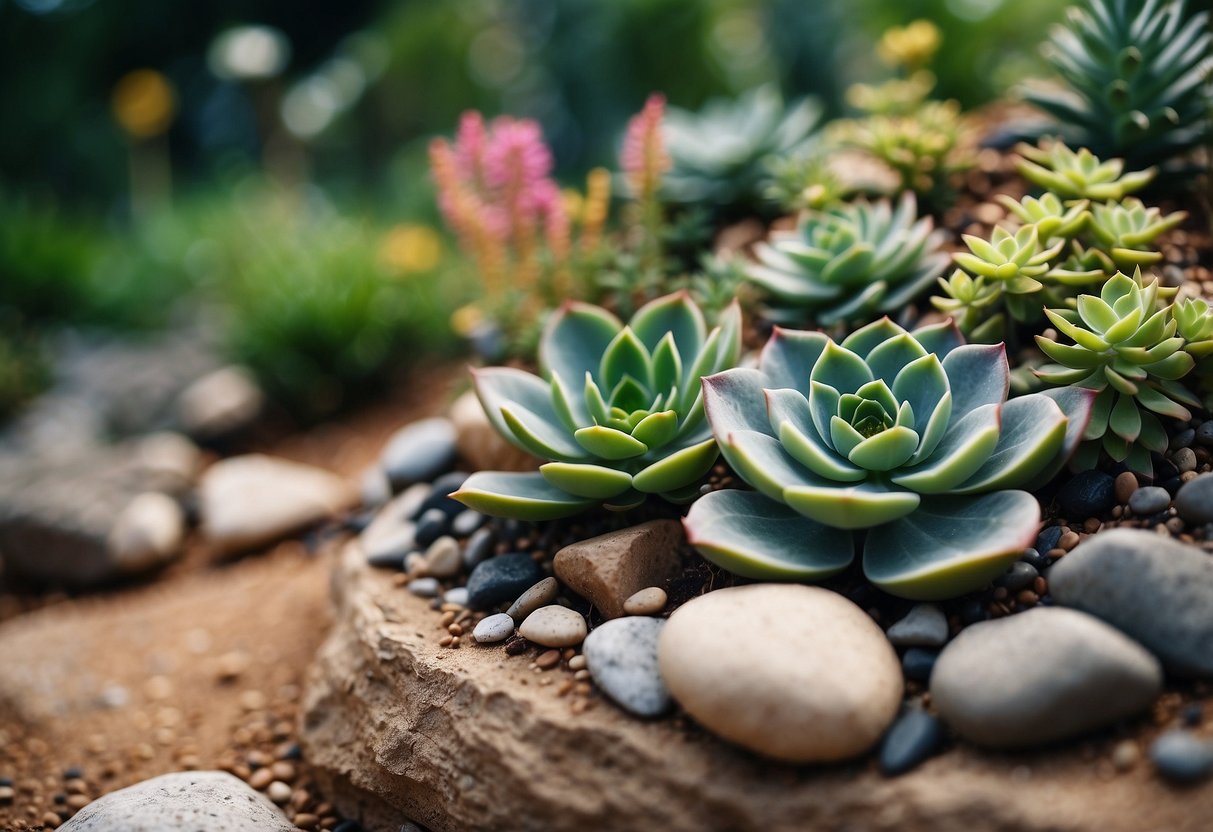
(1194,502)
(495,628)
(1185,460)
(1124,485)
(419,452)
(792,672)
(443,558)
(1149,500)
(466,522)
(539,595)
(386,541)
(918,662)
(924,626)
(1019,576)
(415,565)
(147,533)
(1154,589)
(479,548)
(1204,434)
(648,601)
(457,595)
(554,626)
(1036,560)
(621,656)
(501,579)
(440,497)
(425,587)
(1048,538)
(1040,676)
(431,525)
(913,738)
(1087,494)
(1182,757)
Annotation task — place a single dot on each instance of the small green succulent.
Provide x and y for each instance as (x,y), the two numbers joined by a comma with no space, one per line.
(973,303)
(920,147)
(718,154)
(1052,219)
(907,435)
(1194,322)
(804,182)
(1015,259)
(1069,175)
(1126,348)
(619,410)
(851,261)
(1126,230)
(1137,74)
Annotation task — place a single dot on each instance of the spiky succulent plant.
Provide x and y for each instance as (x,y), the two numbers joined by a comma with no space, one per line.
(1138,79)
(850,261)
(1125,231)
(718,154)
(1082,175)
(908,435)
(1126,348)
(618,412)
(1053,219)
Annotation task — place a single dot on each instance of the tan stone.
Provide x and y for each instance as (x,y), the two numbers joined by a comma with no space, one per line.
(613,567)
(397,728)
(479,444)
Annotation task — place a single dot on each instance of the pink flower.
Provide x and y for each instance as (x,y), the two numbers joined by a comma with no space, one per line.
(644,158)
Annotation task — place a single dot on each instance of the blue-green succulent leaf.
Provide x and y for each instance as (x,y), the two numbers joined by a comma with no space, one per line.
(824,402)
(860,506)
(888,359)
(657,429)
(977,374)
(498,386)
(1033,432)
(626,356)
(940,338)
(951,545)
(886,450)
(678,470)
(539,436)
(796,432)
(867,338)
(595,482)
(841,369)
(754,537)
(575,339)
(962,452)
(525,496)
(787,359)
(667,364)
(609,443)
(734,401)
(675,315)
(761,461)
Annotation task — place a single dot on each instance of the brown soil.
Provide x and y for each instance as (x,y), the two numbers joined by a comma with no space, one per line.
(200,668)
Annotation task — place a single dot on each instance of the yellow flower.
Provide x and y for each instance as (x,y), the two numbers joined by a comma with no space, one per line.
(910,46)
(573,203)
(465,319)
(144,103)
(409,249)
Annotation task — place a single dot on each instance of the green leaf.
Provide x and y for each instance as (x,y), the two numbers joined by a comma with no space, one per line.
(499,386)
(762,462)
(701,365)
(841,369)
(595,482)
(859,506)
(539,436)
(888,359)
(1033,429)
(951,545)
(1097,314)
(608,443)
(940,338)
(799,437)
(667,364)
(867,338)
(885,451)
(878,391)
(787,359)
(575,339)
(570,409)
(675,315)
(595,404)
(728,348)
(824,402)
(678,470)
(924,384)
(734,400)
(1160,404)
(977,374)
(1125,420)
(626,356)
(965,448)
(657,429)
(524,496)
(754,537)
(843,437)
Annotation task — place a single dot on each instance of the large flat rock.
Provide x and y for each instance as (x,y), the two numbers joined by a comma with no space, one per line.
(469,739)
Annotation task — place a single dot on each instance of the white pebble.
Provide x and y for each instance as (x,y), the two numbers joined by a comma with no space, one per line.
(554,626)
(458,595)
(443,559)
(648,601)
(278,792)
(494,628)
(425,587)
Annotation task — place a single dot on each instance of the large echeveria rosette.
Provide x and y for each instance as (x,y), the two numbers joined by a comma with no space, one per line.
(619,411)
(908,436)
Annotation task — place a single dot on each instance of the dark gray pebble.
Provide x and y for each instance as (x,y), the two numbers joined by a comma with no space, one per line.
(1019,576)
(1183,439)
(502,579)
(1088,494)
(419,452)
(1182,757)
(1036,559)
(479,548)
(466,522)
(431,525)
(1194,502)
(912,739)
(444,486)
(1204,434)
(1047,539)
(1149,500)
(918,663)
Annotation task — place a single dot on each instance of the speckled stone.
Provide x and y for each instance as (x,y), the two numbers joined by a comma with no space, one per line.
(494,628)
(621,656)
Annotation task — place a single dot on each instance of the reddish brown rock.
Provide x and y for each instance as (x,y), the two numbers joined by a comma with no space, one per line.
(613,567)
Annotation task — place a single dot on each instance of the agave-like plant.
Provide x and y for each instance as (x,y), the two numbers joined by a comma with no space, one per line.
(1126,348)
(618,412)
(718,154)
(1138,78)
(1078,175)
(850,261)
(907,435)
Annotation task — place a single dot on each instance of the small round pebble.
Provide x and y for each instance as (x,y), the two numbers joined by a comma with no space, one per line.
(1019,576)
(478,548)
(467,522)
(924,626)
(1204,434)
(1182,757)
(621,656)
(554,626)
(912,739)
(648,601)
(1087,494)
(425,587)
(539,595)
(917,664)
(1194,502)
(1124,486)
(458,595)
(501,579)
(1149,500)
(1185,460)
(443,558)
(495,628)
(431,525)
(278,792)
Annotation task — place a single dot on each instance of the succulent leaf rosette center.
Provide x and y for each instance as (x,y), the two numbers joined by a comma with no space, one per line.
(618,413)
(908,436)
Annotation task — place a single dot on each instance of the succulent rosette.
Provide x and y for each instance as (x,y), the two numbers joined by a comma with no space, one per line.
(618,413)
(907,435)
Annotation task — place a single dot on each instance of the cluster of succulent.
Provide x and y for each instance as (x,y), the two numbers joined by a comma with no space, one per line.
(805,182)
(849,262)
(718,155)
(618,412)
(1137,79)
(1132,346)
(1058,243)
(908,436)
